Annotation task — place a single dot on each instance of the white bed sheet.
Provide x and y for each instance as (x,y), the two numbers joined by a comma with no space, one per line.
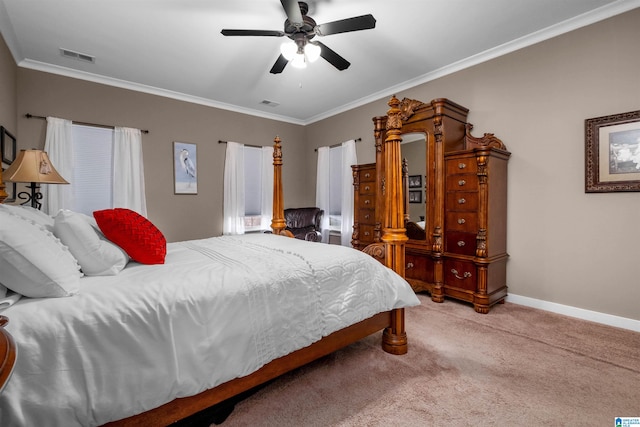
(218,309)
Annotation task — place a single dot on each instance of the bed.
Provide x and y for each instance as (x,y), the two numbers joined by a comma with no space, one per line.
(158,342)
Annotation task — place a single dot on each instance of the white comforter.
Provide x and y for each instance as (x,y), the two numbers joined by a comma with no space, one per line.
(218,309)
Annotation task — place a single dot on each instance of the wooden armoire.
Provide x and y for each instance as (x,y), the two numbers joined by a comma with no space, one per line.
(456,246)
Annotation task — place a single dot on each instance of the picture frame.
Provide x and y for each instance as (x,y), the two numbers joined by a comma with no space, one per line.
(185,168)
(415,196)
(7,146)
(415,181)
(612,153)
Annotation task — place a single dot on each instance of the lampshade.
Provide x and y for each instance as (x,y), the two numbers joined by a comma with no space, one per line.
(299,61)
(288,50)
(33,166)
(312,51)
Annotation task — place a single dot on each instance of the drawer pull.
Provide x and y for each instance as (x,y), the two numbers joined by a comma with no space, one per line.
(366,216)
(461,221)
(465,275)
(461,243)
(462,201)
(461,165)
(367,188)
(367,175)
(409,265)
(366,233)
(367,202)
(462,182)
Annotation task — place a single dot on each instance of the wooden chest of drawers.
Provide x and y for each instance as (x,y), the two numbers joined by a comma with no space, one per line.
(475,230)
(366,228)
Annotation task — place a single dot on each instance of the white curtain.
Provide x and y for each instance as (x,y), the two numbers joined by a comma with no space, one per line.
(267,188)
(348,159)
(323,190)
(58,145)
(128,176)
(233,209)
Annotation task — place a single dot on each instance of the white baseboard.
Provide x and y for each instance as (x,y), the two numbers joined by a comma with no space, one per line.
(567,310)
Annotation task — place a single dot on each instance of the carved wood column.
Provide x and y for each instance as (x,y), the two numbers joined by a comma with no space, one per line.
(278,223)
(394,234)
(3,194)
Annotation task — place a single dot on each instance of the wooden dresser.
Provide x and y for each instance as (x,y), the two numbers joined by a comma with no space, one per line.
(456,243)
(366,229)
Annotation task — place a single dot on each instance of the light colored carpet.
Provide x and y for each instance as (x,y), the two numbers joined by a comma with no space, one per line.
(516,366)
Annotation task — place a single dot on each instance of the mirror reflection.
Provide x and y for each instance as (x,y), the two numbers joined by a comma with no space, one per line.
(414,150)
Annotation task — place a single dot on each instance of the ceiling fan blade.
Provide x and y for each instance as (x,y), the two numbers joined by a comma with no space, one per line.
(364,22)
(333,58)
(292,9)
(270,33)
(279,65)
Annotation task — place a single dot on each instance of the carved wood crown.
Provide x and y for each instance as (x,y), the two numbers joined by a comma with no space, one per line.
(408,107)
(488,140)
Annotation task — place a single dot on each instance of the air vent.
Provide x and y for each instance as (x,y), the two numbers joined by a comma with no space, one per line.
(77,55)
(269,103)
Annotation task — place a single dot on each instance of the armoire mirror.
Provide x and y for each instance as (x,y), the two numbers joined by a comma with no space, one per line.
(414,152)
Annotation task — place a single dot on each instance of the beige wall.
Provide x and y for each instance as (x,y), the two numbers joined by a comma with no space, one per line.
(565,246)
(180,217)
(8,91)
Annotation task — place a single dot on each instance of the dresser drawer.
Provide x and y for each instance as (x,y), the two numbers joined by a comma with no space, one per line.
(367,176)
(462,201)
(366,232)
(367,202)
(366,216)
(461,243)
(462,182)
(419,267)
(461,221)
(460,274)
(367,188)
(463,165)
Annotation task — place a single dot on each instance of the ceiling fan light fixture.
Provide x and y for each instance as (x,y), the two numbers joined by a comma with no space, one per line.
(288,49)
(299,61)
(312,51)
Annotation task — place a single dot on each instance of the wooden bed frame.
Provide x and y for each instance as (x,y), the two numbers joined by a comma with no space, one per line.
(394,338)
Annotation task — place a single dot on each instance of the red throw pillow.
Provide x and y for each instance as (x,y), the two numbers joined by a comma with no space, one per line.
(135,234)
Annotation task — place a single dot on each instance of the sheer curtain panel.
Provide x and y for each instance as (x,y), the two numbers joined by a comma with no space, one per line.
(267,188)
(128,166)
(59,147)
(348,158)
(323,185)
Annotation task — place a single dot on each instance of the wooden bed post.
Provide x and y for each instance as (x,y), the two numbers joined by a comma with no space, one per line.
(277,222)
(394,236)
(3,194)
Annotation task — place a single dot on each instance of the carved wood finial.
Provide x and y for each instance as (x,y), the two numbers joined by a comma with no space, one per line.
(277,150)
(394,119)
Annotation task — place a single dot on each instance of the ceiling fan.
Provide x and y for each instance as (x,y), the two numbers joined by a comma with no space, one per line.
(301,28)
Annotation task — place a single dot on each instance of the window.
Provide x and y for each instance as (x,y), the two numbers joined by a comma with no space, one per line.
(92,168)
(252,188)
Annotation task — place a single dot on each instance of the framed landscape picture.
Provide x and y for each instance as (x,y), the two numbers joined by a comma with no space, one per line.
(612,153)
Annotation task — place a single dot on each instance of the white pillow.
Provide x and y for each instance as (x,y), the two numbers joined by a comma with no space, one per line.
(33,262)
(32,214)
(96,255)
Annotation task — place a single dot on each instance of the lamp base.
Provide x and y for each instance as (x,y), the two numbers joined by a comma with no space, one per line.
(31,198)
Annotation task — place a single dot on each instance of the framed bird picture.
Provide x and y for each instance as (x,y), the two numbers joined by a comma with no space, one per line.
(185,168)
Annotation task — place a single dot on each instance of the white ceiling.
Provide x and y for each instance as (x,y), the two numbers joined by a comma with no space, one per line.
(174,47)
